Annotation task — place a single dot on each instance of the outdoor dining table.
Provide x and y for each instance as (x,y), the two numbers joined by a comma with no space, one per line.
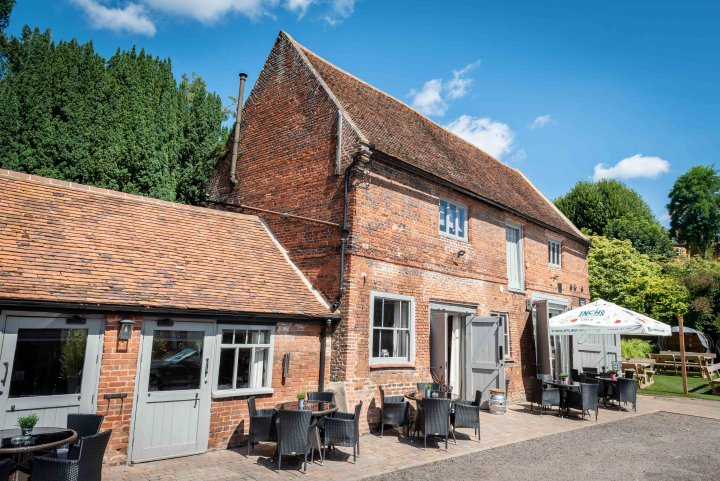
(564,388)
(418,396)
(609,382)
(21,449)
(318,410)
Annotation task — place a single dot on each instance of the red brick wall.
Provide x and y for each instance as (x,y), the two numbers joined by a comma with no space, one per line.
(228,418)
(117,375)
(287,163)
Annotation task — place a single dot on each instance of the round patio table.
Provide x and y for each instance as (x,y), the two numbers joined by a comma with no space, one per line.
(41,439)
(419,396)
(316,408)
(564,388)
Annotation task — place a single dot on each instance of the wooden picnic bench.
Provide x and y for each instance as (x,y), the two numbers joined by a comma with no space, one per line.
(712,374)
(644,370)
(668,360)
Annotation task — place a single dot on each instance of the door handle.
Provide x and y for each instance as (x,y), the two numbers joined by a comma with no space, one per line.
(196,400)
(7,368)
(207,365)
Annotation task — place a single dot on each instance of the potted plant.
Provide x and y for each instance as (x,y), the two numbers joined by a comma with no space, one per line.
(27,423)
(564,377)
(613,374)
(301,400)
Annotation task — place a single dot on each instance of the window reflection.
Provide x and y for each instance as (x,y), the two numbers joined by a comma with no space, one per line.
(176,361)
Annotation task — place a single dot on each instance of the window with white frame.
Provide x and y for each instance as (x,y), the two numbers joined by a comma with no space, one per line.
(515,267)
(392,329)
(244,359)
(505,321)
(554,253)
(453,219)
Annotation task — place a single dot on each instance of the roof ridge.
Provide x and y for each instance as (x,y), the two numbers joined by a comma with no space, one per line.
(116,194)
(392,97)
(299,49)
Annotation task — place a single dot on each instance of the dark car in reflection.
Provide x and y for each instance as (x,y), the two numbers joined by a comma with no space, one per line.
(176,371)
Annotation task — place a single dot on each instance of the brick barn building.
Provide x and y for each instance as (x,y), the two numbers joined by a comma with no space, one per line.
(212,298)
(441,251)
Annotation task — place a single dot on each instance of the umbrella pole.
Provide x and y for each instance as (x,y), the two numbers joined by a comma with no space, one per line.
(604,351)
(681,332)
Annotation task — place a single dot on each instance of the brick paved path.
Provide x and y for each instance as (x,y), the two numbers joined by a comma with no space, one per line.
(389,453)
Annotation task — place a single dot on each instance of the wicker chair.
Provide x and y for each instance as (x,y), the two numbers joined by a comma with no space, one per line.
(85,424)
(625,392)
(394,411)
(545,377)
(585,400)
(590,370)
(436,418)
(324,396)
(575,375)
(466,415)
(544,397)
(343,429)
(87,466)
(294,435)
(6,466)
(262,425)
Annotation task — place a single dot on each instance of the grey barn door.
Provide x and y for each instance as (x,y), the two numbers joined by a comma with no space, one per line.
(588,350)
(483,360)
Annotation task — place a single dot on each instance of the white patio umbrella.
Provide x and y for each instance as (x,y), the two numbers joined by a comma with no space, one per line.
(603,317)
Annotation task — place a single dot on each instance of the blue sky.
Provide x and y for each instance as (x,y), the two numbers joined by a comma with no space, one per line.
(554,88)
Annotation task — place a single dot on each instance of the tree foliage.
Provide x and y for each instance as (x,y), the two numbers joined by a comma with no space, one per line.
(612,209)
(123,123)
(6,7)
(695,208)
(701,278)
(620,274)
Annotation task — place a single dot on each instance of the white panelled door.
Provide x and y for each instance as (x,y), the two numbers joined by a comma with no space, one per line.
(49,367)
(484,363)
(172,413)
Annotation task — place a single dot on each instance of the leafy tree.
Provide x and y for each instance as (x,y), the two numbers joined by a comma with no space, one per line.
(124,123)
(695,208)
(6,7)
(620,274)
(612,209)
(646,235)
(701,278)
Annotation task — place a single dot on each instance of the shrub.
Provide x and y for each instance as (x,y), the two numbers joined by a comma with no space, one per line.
(630,348)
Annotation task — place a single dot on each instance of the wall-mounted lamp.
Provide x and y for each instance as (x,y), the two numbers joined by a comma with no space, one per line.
(126,329)
(461,253)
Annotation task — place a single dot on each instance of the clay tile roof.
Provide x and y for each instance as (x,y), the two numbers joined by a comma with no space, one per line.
(401,132)
(69,243)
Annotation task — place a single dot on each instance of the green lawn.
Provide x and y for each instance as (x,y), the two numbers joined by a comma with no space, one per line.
(671,385)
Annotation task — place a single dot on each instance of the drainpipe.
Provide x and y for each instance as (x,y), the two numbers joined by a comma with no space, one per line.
(323,350)
(236,133)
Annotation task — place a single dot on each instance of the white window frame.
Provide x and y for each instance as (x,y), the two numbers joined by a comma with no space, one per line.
(521,263)
(251,391)
(505,320)
(394,361)
(559,253)
(458,205)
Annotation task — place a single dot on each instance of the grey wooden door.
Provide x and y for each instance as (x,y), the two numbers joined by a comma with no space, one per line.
(438,345)
(172,416)
(49,367)
(588,350)
(484,364)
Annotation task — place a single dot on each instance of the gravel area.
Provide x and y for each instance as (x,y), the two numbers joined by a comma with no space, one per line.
(657,447)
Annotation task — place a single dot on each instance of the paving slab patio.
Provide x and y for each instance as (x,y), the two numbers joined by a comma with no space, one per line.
(380,455)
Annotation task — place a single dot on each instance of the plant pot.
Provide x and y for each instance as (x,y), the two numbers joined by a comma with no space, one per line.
(301,404)
(26,432)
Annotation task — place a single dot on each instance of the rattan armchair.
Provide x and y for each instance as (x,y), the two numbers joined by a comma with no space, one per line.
(85,466)
(85,424)
(466,415)
(343,429)
(324,396)
(262,425)
(625,392)
(394,411)
(6,465)
(295,433)
(544,397)
(585,400)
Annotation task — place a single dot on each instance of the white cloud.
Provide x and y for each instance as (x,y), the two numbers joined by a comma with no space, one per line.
(299,6)
(495,138)
(433,97)
(428,100)
(131,18)
(541,121)
(633,167)
(459,85)
(339,11)
(209,11)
